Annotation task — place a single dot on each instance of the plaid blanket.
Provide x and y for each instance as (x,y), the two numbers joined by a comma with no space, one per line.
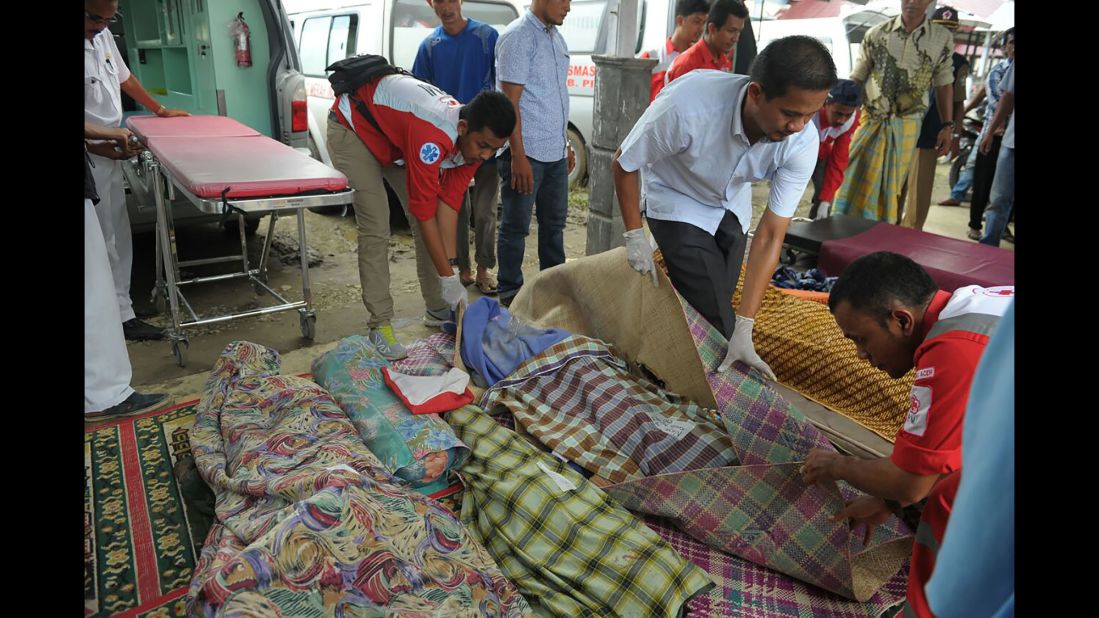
(762,511)
(581,401)
(601,297)
(310,523)
(747,590)
(569,549)
(431,356)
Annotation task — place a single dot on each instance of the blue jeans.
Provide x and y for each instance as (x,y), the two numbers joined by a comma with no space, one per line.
(551,195)
(965,178)
(1003,197)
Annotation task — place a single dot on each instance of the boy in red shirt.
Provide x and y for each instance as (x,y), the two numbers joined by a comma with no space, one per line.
(724,23)
(690,19)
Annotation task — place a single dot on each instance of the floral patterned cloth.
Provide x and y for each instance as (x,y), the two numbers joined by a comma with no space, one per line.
(418,448)
(310,521)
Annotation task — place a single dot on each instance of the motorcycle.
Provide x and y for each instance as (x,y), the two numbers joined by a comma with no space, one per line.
(971,129)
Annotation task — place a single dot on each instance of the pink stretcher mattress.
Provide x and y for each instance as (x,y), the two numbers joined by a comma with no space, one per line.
(951,263)
(145,127)
(218,152)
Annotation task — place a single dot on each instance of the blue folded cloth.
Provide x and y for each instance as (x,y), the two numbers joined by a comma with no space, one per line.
(494,345)
(812,279)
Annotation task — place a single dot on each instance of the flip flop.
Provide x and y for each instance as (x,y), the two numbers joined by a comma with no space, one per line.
(487,285)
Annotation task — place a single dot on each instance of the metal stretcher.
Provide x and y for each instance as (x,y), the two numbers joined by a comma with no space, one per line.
(222,166)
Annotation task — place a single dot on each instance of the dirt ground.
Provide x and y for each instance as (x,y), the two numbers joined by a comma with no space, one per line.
(335,287)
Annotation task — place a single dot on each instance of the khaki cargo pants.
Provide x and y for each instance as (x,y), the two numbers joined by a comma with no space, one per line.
(351,156)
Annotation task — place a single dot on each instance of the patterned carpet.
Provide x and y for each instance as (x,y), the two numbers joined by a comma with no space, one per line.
(138,549)
(139,542)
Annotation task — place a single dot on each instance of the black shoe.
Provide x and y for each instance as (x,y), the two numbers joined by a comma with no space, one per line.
(1008,236)
(146,312)
(136,330)
(137,403)
(505,301)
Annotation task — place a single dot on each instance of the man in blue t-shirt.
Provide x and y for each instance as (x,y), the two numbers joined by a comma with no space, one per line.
(459,57)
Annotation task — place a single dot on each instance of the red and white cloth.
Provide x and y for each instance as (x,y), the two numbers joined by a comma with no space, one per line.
(430,394)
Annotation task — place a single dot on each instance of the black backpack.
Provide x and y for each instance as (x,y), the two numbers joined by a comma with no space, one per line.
(349,74)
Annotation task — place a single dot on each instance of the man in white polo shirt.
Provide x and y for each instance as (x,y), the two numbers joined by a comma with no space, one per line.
(702,143)
(106,77)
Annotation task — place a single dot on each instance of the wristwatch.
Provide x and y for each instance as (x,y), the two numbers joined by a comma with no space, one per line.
(948,123)
(452,261)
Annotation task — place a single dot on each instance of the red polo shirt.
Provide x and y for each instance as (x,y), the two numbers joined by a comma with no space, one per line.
(956,330)
(419,124)
(835,151)
(698,56)
(664,60)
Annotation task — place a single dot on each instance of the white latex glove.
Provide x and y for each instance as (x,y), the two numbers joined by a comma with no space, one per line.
(640,253)
(453,290)
(823,210)
(742,349)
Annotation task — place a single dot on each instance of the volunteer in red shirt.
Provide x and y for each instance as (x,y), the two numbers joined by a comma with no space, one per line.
(724,23)
(441,143)
(836,123)
(690,18)
(899,320)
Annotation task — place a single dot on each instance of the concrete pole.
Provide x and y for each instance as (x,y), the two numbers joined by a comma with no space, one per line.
(621,95)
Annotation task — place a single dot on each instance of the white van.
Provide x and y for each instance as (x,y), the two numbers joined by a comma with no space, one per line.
(841,35)
(585,33)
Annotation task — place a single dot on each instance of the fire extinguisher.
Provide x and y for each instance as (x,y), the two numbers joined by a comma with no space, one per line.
(242,42)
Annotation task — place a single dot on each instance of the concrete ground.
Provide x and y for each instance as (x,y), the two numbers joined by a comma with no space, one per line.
(335,288)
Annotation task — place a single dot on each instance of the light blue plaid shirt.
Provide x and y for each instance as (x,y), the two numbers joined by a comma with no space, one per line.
(992,88)
(535,56)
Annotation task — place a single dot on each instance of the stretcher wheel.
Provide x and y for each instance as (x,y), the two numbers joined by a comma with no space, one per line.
(308,325)
(177,351)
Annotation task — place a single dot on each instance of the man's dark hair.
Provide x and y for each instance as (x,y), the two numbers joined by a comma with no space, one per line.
(800,61)
(873,283)
(490,109)
(1010,32)
(686,8)
(720,11)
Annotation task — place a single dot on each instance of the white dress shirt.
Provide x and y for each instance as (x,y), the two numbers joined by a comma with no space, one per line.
(697,159)
(104,71)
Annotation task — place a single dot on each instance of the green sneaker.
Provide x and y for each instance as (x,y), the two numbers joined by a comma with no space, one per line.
(386,342)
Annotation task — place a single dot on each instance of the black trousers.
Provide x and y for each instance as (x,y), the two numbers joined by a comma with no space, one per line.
(704,268)
(984,170)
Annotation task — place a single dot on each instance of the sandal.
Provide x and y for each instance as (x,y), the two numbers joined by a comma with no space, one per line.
(487,284)
(466,282)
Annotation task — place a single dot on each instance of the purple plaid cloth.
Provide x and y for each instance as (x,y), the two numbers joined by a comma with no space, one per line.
(747,590)
(761,510)
(428,357)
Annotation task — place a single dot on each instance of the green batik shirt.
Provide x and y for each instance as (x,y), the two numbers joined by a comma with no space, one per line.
(899,67)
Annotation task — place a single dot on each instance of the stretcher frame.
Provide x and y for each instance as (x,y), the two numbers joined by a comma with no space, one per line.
(167,292)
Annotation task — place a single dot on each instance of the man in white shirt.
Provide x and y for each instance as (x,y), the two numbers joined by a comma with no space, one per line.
(702,143)
(106,76)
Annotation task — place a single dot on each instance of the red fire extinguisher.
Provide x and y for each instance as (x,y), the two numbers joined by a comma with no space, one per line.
(242,42)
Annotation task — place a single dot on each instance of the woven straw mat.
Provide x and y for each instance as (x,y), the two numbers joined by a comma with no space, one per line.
(801,342)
